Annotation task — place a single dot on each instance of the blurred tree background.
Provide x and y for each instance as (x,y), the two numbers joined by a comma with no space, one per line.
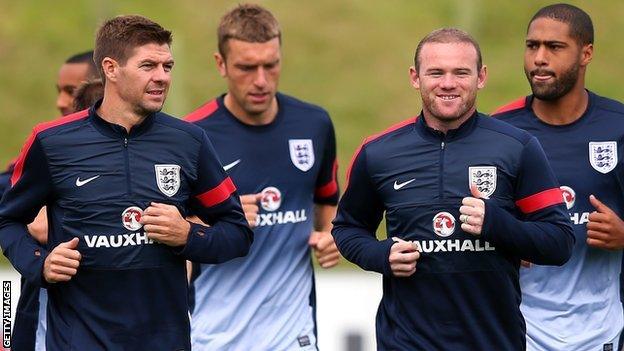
(349,56)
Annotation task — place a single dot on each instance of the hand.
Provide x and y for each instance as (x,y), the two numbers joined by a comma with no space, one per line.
(250,207)
(38,228)
(403,257)
(525,264)
(605,229)
(324,248)
(62,263)
(164,224)
(472,212)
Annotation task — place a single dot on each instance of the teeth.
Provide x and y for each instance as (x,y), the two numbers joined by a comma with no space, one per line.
(448,97)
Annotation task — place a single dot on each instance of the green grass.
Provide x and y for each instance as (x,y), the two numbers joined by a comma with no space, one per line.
(349,56)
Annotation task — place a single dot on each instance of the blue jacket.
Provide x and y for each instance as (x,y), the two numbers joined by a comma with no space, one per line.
(464,294)
(96,179)
(566,307)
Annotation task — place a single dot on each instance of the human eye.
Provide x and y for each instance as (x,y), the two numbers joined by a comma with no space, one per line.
(531,45)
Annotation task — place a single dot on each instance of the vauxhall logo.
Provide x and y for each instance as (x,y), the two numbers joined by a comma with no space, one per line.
(271,200)
(130,219)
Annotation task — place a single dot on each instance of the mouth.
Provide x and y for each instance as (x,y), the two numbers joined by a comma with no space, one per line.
(156,92)
(259,97)
(448,97)
(542,76)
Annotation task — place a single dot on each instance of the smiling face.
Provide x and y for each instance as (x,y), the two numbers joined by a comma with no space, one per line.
(143,81)
(553,60)
(252,71)
(448,80)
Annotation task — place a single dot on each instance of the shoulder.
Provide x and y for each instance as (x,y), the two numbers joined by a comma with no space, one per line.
(203,112)
(61,124)
(608,105)
(513,111)
(504,129)
(179,128)
(301,110)
(390,133)
(512,107)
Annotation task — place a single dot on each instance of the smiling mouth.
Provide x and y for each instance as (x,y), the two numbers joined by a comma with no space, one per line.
(156,92)
(448,97)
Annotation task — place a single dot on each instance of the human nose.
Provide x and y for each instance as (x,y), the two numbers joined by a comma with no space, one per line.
(260,79)
(162,74)
(540,58)
(448,81)
(64,101)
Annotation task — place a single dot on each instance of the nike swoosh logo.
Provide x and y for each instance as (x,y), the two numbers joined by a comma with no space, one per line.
(398,186)
(230,165)
(83,182)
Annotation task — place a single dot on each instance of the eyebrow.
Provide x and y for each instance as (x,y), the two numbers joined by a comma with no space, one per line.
(547,42)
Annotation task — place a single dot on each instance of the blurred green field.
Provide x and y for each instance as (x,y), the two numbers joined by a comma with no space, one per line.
(349,56)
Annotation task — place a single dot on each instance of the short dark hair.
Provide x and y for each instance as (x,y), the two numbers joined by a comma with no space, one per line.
(118,36)
(84,57)
(446,36)
(247,22)
(87,94)
(581,26)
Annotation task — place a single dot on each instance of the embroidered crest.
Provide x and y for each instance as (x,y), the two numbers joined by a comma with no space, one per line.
(301,153)
(168,178)
(484,177)
(603,155)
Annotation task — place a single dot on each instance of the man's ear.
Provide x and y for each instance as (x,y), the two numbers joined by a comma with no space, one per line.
(482,77)
(220,61)
(110,68)
(414,78)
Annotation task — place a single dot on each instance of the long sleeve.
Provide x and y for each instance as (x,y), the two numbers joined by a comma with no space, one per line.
(359,213)
(543,234)
(29,190)
(216,202)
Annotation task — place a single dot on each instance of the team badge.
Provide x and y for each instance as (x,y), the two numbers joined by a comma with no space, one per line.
(271,198)
(569,196)
(301,153)
(484,178)
(131,217)
(443,224)
(168,178)
(603,155)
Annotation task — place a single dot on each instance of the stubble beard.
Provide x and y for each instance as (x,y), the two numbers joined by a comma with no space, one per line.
(561,86)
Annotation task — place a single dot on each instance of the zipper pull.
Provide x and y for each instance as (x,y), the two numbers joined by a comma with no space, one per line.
(442,145)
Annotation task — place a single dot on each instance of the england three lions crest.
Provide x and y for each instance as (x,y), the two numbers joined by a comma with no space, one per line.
(168,178)
(484,178)
(301,153)
(603,155)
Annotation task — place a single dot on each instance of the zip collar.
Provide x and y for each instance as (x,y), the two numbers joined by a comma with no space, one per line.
(114,130)
(437,136)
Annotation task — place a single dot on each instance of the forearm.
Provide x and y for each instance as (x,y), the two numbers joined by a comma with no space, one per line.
(546,242)
(323,216)
(24,253)
(218,243)
(362,248)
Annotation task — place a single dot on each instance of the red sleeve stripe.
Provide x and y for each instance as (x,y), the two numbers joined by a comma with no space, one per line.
(19,163)
(540,200)
(376,136)
(330,188)
(203,112)
(514,105)
(217,194)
